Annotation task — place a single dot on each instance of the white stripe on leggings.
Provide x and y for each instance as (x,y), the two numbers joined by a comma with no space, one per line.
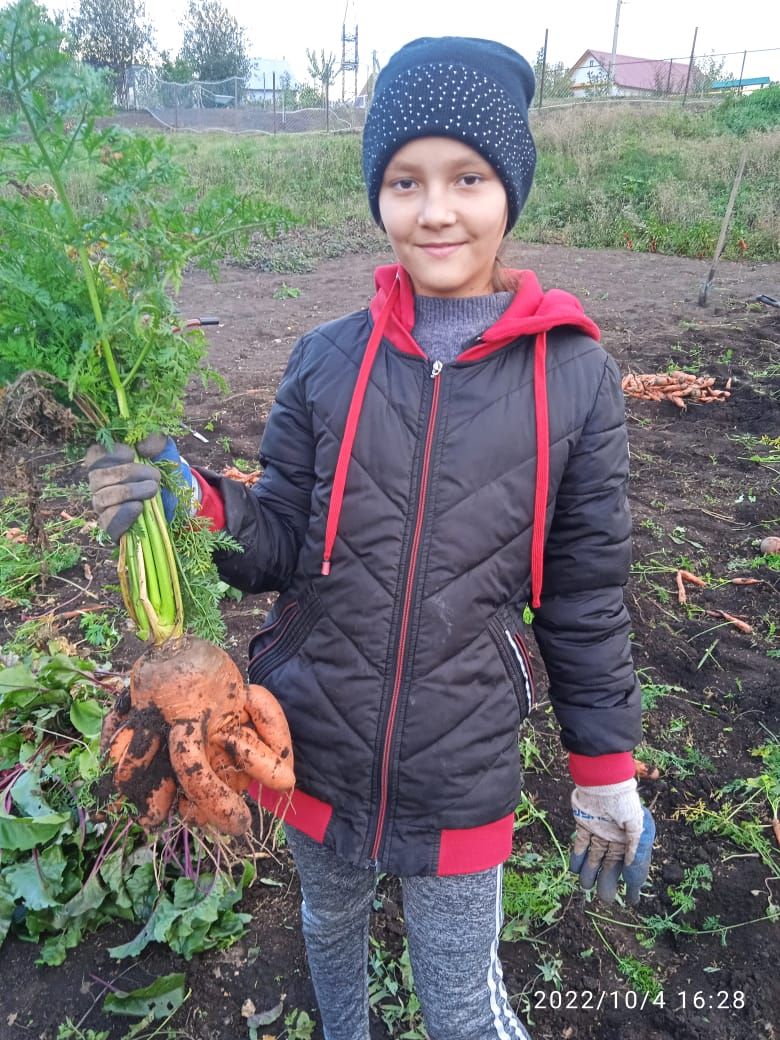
(499,1001)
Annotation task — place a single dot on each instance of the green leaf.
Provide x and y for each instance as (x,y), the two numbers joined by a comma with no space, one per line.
(87,718)
(88,899)
(27,794)
(37,885)
(164,996)
(88,764)
(55,948)
(7,907)
(25,832)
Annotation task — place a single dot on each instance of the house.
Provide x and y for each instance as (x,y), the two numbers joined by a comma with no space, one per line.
(631,77)
(259,84)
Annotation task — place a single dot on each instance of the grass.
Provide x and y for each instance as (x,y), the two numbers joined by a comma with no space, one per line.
(607,177)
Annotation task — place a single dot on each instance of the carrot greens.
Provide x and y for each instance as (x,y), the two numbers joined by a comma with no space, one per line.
(97,226)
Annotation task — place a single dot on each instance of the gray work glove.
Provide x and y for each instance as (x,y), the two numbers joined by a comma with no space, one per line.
(613,838)
(120,485)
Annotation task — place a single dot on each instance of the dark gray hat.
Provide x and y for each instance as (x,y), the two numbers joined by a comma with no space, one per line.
(477,91)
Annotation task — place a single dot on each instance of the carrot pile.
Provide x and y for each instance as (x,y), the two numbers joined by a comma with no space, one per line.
(194,736)
(677,387)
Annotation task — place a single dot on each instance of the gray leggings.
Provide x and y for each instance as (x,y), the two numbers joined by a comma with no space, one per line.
(452,925)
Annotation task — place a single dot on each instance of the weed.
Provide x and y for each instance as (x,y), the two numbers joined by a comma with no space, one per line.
(298,1025)
(68,1030)
(653,527)
(30,553)
(735,817)
(531,754)
(550,968)
(688,762)
(391,993)
(100,631)
(653,692)
(245,465)
(639,974)
(286,292)
(536,886)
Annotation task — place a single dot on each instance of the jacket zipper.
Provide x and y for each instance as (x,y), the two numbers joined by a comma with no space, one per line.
(284,615)
(406,611)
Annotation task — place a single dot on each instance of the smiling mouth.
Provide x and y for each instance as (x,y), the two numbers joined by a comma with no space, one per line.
(442,249)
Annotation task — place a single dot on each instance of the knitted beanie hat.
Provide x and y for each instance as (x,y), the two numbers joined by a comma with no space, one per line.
(477,91)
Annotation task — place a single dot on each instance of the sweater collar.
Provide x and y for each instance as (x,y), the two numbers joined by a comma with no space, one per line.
(532,311)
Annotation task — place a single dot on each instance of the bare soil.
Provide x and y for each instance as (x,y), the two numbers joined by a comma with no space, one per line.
(698,501)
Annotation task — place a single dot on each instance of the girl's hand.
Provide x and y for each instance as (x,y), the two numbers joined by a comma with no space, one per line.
(120,484)
(613,838)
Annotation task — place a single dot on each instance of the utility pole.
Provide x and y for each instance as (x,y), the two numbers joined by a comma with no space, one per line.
(614,46)
(690,65)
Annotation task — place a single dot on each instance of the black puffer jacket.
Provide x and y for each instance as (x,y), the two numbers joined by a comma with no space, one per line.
(403,671)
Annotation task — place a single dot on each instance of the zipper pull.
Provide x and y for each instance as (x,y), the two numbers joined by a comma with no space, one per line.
(437,367)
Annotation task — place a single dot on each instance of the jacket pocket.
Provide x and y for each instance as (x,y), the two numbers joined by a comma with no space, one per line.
(506,634)
(280,640)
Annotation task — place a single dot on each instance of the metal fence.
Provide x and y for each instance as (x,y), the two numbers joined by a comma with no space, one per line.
(232,106)
(707,77)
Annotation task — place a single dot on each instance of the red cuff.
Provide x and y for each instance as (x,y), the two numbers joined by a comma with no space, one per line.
(211,504)
(596,770)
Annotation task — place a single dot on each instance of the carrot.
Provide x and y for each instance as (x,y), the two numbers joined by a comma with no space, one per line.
(137,757)
(192,732)
(739,623)
(186,679)
(694,579)
(187,748)
(111,723)
(159,802)
(682,595)
(776,829)
(745,581)
(269,720)
(227,770)
(258,760)
(644,771)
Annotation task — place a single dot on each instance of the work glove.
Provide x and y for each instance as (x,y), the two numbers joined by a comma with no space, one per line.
(613,837)
(120,485)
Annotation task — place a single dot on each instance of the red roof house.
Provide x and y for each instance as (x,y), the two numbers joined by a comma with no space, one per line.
(631,77)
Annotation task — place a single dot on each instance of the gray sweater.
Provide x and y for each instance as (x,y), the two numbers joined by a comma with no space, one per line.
(444,325)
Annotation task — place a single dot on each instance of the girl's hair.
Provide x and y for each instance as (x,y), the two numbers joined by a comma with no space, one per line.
(504,280)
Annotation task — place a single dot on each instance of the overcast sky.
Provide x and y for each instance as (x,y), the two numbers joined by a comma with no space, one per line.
(648,28)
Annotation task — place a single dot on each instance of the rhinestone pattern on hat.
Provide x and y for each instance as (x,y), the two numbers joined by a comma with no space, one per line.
(450,100)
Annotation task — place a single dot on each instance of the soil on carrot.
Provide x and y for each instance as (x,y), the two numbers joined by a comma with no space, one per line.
(704,490)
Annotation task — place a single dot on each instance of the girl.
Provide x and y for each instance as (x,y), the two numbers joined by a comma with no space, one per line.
(431,465)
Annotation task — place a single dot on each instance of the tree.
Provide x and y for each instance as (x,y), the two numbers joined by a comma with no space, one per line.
(112,35)
(214,43)
(175,70)
(557,79)
(322,70)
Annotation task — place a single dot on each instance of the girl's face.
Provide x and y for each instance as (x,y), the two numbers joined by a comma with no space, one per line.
(444,209)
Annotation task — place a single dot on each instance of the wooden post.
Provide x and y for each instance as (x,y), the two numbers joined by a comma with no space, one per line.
(742,70)
(690,64)
(273,88)
(614,47)
(544,68)
(327,107)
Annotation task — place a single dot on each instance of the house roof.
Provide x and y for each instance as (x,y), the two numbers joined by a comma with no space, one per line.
(640,73)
